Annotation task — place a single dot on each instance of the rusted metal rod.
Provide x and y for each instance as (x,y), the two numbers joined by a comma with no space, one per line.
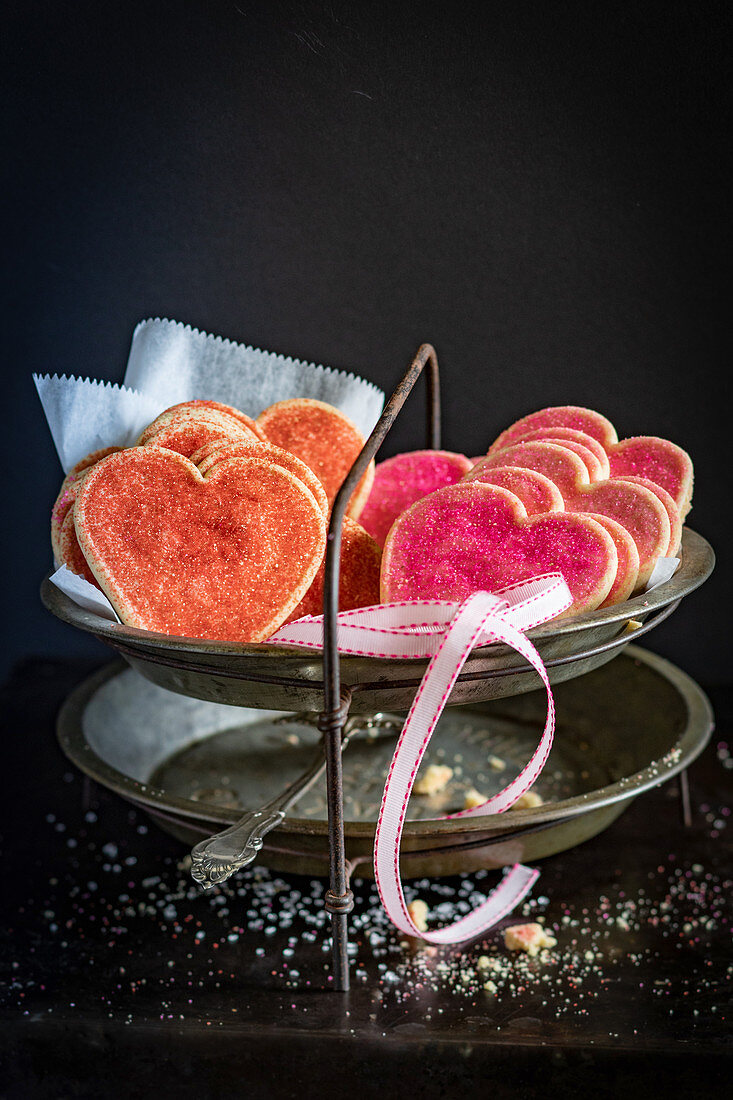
(336,700)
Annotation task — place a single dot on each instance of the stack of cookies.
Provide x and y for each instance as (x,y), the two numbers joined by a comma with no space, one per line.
(213,525)
(556,491)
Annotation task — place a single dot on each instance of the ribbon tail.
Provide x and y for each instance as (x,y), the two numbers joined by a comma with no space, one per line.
(430,700)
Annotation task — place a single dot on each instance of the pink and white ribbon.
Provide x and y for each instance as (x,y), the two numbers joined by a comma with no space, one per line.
(447,633)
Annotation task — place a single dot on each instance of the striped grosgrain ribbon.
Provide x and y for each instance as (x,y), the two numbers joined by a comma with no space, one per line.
(446,633)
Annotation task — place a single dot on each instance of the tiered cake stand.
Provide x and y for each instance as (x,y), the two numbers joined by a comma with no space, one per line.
(646,719)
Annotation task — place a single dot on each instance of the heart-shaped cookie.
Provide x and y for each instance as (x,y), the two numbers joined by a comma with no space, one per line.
(225,556)
(538,494)
(325,439)
(633,506)
(659,460)
(400,481)
(201,403)
(536,491)
(569,436)
(473,537)
(358,574)
(187,428)
(559,416)
(208,456)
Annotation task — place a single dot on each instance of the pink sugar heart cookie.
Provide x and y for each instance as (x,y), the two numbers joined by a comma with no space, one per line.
(475,537)
(207,457)
(627,569)
(324,438)
(400,481)
(186,429)
(660,460)
(226,556)
(593,468)
(66,497)
(560,416)
(673,512)
(537,493)
(633,506)
(358,574)
(569,436)
(230,410)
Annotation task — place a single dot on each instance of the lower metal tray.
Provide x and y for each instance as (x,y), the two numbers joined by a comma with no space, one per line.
(194,766)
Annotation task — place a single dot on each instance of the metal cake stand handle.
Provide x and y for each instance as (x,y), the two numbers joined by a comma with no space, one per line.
(215,859)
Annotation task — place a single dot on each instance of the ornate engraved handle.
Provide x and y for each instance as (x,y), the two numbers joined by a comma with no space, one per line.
(215,859)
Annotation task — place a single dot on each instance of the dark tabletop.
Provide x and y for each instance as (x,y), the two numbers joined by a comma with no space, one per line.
(120,978)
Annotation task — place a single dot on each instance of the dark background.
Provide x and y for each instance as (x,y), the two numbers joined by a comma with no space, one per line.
(542,190)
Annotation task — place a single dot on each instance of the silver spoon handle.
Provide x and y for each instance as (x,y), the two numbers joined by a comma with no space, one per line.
(215,859)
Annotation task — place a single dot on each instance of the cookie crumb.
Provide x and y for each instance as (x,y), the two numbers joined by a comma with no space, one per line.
(531,938)
(473,798)
(418,910)
(435,779)
(528,801)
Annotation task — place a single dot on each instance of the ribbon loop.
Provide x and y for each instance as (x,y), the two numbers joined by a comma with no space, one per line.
(447,634)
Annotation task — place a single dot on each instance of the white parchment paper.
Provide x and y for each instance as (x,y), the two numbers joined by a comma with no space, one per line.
(85,416)
(174,362)
(171,362)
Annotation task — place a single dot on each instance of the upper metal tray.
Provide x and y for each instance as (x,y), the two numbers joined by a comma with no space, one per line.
(278,678)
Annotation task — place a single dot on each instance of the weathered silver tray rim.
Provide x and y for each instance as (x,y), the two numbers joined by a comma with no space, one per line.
(691,742)
(696,565)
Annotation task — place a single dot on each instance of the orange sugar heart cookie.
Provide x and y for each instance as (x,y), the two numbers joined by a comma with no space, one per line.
(230,410)
(185,430)
(69,551)
(400,481)
(633,506)
(325,439)
(358,574)
(536,491)
(474,537)
(225,556)
(66,497)
(210,455)
(559,416)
